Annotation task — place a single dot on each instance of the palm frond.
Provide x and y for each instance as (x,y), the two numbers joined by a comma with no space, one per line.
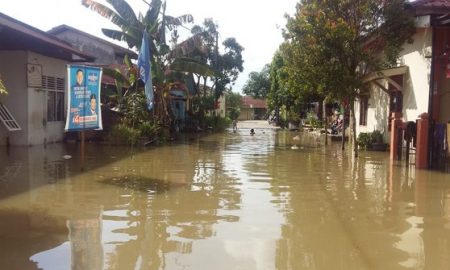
(106,12)
(173,22)
(152,14)
(117,75)
(125,11)
(132,41)
(194,43)
(192,66)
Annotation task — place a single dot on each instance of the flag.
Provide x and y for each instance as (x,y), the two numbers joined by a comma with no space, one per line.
(145,71)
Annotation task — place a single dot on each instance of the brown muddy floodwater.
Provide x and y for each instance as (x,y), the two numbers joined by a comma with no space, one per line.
(224,201)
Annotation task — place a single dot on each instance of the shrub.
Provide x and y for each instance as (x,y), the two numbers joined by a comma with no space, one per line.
(365,140)
(376,136)
(121,134)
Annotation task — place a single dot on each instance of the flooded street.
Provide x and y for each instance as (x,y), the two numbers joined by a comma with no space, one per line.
(223,201)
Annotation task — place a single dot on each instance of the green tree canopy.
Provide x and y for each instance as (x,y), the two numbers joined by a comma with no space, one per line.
(258,83)
(330,45)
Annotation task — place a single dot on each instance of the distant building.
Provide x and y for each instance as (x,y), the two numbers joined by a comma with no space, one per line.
(33,67)
(253,109)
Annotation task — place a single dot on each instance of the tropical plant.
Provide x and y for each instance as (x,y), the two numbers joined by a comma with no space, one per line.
(167,65)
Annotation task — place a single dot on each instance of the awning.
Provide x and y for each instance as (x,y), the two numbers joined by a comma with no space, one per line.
(386,74)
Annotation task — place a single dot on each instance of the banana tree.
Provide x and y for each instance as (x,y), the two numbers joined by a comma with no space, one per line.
(164,61)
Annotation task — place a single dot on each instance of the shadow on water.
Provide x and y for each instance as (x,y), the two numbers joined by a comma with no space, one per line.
(145,184)
(25,233)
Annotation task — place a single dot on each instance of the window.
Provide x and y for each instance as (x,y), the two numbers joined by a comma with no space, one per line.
(55,97)
(363,108)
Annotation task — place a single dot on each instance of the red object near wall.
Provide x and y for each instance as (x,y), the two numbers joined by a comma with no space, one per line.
(423,124)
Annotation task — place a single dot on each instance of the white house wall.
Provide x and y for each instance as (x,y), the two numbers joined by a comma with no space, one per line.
(42,131)
(417,82)
(377,112)
(13,70)
(415,87)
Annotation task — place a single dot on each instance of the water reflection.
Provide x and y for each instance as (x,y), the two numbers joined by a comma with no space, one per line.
(225,201)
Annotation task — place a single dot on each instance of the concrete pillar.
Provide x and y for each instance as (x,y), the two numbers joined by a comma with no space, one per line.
(396,122)
(423,124)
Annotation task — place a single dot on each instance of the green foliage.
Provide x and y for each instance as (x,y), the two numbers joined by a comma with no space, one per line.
(149,129)
(376,136)
(134,109)
(227,64)
(123,134)
(217,123)
(258,83)
(365,140)
(202,104)
(327,41)
(233,102)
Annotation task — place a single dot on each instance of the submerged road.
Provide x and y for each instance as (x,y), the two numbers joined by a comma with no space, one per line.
(222,201)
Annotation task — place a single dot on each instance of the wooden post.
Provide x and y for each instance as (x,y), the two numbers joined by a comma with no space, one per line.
(395,124)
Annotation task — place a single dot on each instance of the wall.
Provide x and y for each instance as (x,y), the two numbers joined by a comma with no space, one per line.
(246,114)
(40,130)
(417,82)
(415,87)
(13,73)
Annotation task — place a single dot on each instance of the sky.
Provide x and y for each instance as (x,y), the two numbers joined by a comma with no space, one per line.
(256,24)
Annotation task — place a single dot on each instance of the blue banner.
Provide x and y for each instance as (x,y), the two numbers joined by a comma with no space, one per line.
(145,71)
(83,110)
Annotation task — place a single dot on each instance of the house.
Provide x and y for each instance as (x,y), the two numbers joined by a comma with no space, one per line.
(106,53)
(33,69)
(252,109)
(417,90)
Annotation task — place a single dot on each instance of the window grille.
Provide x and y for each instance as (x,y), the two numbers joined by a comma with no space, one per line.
(55,97)
(7,119)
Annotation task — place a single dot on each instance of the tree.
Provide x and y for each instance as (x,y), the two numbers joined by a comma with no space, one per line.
(227,65)
(167,64)
(258,83)
(333,44)
(234,102)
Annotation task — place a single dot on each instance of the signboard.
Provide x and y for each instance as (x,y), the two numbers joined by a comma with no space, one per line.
(83,110)
(34,75)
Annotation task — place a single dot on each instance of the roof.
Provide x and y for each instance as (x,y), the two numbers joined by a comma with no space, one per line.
(250,102)
(117,49)
(16,35)
(429,7)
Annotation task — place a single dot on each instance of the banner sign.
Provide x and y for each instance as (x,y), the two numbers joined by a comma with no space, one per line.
(83,110)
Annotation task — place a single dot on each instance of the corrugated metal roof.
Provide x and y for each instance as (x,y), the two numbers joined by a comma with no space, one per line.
(250,102)
(16,35)
(118,49)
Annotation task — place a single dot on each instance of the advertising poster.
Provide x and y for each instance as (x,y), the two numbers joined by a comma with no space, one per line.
(83,110)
